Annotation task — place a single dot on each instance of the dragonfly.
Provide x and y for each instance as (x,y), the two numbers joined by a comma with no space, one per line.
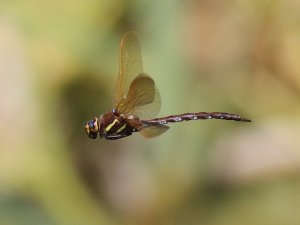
(137,101)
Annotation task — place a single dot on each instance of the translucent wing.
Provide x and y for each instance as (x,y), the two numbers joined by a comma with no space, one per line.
(142,100)
(147,131)
(136,93)
(130,65)
(153,131)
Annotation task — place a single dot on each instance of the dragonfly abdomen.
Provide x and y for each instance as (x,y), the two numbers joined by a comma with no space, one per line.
(195,116)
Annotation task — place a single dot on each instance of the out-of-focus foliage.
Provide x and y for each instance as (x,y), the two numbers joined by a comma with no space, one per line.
(58,67)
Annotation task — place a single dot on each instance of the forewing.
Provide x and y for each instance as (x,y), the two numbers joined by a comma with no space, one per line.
(142,99)
(130,65)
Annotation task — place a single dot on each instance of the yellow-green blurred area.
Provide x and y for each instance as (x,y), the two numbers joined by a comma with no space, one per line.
(58,68)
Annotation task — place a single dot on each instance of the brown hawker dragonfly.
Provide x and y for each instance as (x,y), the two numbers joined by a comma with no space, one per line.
(137,101)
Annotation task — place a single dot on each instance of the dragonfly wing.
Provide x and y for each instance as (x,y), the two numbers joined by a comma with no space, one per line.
(147,131)
(130,65)
(153,131)
(142,99)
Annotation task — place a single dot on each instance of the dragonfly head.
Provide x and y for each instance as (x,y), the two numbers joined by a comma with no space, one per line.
(92,128)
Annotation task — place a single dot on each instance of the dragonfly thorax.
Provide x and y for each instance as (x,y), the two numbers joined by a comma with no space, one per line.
(113,125)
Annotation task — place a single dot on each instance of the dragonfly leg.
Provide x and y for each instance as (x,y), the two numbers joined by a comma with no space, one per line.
(117,136)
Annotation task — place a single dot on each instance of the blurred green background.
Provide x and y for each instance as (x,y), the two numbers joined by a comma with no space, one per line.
(58,68)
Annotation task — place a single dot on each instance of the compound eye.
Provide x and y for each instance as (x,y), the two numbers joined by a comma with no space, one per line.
(91,124)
